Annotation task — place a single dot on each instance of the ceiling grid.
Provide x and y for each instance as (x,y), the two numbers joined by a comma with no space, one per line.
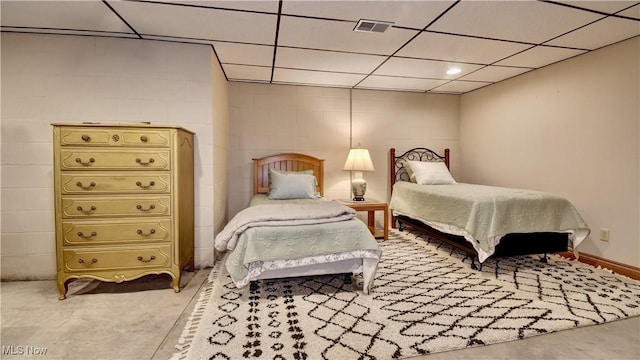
(312,42)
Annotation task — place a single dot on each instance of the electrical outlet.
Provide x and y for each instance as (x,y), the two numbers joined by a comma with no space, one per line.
(604,234)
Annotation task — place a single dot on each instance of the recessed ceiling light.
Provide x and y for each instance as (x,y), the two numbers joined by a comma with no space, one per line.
(453,71)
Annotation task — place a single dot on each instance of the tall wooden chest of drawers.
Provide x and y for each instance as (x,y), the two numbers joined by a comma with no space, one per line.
(124,201)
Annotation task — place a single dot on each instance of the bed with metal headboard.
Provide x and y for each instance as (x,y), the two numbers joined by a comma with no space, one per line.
(291,230)
(481,220)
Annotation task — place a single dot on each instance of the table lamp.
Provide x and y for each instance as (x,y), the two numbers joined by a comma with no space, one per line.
(358,161)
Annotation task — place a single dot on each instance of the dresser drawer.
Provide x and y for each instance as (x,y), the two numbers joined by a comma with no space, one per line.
(93,159)
(88,233)
(114,137)
(104,183)
(78,260)
(115,206)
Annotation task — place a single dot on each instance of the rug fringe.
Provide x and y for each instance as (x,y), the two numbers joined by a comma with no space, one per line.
(193,321)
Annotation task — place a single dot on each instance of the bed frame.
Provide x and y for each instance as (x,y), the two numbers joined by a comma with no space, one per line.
(510,245)
(299,162)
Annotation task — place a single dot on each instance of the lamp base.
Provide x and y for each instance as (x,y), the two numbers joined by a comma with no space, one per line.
(358,188)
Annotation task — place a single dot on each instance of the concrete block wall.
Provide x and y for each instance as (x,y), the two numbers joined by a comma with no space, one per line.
(51,78)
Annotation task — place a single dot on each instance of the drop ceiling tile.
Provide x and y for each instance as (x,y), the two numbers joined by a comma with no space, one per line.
(526,21)
(413,14)
(198,23)
(494,73)
(339,35)
(177,39)
(245,54)
(539,56)
(256,5)
(606,6)
(430,45)
(399,83)
(247,73)
(599,34)
(243,34)
(327,60)
(69,32)
(291,76)
(460,87)
(423,68)
(633,12)
(68,15)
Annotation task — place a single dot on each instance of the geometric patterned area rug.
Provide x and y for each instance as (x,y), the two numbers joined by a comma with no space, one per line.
(425,299)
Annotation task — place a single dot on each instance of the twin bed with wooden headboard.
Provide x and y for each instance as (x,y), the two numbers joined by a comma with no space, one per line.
(481,220)
(290,230)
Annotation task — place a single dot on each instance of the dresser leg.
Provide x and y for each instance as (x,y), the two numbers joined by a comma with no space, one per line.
(175,283)
(62,290)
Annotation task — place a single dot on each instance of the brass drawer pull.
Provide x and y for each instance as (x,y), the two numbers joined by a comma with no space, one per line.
(91,209)
(88,163)
(153,257)
(91,185)
(93,261)
(82,235)
(86,138)
(151,161)
(151,207)
(139,184)
(151,232)
(143,138)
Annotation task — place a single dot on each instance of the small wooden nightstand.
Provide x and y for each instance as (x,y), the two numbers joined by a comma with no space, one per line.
(371,206)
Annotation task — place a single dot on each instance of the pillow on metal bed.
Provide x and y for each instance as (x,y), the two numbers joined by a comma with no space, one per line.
(429,172)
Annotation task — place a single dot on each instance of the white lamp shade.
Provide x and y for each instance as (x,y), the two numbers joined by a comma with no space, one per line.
(359,160)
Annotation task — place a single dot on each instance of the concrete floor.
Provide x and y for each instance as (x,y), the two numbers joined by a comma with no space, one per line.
(143,319)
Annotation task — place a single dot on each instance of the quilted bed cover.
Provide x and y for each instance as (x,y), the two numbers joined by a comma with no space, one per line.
(484,214)
(317,230)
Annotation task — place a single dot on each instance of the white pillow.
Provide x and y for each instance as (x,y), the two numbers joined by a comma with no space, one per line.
(292,186)
(430,172)
(407,168)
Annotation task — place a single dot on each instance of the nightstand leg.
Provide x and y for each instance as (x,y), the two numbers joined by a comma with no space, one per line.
(386,223)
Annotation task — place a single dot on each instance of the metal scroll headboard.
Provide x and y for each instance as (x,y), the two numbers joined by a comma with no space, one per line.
(399,172)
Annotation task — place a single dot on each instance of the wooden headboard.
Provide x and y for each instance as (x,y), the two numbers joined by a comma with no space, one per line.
(396,163)
(285,162)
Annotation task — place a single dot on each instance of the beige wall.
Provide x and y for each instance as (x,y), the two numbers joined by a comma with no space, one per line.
(269,119)
(571,128)
(569,122)
(49,78)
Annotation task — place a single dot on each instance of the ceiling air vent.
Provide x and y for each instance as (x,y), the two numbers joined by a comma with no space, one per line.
(372,26)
